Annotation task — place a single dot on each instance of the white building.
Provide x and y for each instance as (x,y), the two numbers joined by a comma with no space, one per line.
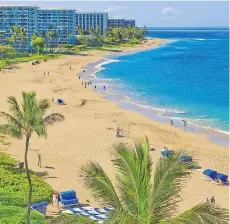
(114,23)
(86,20)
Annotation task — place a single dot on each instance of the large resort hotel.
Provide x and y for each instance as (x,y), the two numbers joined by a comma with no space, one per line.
(63,21)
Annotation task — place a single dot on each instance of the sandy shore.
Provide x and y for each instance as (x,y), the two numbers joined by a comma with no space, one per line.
(88,131)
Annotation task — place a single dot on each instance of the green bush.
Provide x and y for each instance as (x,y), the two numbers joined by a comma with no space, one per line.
(13,183)
(17,215)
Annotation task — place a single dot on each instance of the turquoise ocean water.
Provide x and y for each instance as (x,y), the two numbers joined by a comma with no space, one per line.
(186,79)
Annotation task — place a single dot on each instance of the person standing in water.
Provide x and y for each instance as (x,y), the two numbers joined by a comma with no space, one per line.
(104,88)
(95,87)
(184,124)
(171,121)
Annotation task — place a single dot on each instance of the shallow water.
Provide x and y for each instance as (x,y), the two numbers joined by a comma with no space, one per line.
(186,79)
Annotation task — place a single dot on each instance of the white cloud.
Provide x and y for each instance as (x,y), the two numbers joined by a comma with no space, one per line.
(116,8)
(171,10)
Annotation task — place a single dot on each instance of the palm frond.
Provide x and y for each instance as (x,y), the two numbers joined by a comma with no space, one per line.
(14,107)
(122,216)
(53,118)
(204,213)
(12,121)
(169,177)
(44,104)
(101,186)
(133,168)
(11,131)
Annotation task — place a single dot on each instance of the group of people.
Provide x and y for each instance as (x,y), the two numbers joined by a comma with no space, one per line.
(185,124)
(86,83)
(47,73)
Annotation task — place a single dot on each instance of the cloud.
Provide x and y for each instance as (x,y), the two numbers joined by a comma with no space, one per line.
(116,8)
(171,10)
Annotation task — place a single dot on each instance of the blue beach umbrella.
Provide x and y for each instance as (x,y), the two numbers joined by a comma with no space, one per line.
(210,173)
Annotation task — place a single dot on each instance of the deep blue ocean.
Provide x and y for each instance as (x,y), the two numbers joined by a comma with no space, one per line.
(185,79)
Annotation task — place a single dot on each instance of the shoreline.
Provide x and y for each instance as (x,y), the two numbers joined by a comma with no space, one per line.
(218,136)
(89,131)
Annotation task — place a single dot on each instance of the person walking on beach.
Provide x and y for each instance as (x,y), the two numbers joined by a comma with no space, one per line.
(39,160)
(85,83)
(44,73)
(95,87)
(82,83)
(48,73)
(184,124)
(171,121)
(213,201)
(69,67)
(88,83)
(79,77)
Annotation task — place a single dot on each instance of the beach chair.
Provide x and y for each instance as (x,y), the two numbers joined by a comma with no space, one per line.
(40,207)
(68,198)
(221,179)
(209,174)
(186,159)
(165,153)
(60,102)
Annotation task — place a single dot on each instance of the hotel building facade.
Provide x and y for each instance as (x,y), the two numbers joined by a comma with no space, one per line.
(86,20)
(10,16)
(34,19)
(114,23)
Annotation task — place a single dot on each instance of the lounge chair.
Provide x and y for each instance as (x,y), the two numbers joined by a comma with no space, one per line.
(96,214)
(68,198)
(60,102)
(210,174)
(221,179)
(40,207)
(165,153)
(186,159)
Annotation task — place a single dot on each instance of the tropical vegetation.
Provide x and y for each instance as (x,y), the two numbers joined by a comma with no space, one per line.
(14,190)
(143,196)
(24,121)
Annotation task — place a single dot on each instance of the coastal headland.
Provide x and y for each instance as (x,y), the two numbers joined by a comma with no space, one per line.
(90,129)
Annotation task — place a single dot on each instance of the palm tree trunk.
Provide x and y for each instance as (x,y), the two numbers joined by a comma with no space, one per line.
(29,182)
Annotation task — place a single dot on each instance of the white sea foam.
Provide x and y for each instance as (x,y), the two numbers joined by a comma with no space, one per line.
(107,61)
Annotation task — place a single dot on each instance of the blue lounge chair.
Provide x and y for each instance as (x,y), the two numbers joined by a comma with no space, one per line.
(186,159)
(223,179)
(210,174)
(40,207)
(60,101)
(165,153)
(68,198)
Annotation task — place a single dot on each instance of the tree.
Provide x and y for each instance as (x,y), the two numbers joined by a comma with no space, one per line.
(7,51)
(38,43)
(141,199)
(24,121)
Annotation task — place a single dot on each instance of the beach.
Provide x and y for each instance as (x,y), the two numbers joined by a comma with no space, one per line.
(89,131)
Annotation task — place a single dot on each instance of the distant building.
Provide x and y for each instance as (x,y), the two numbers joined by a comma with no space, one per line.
(113,23)
(61,21)
(86,20)
(24,16)
(34,19)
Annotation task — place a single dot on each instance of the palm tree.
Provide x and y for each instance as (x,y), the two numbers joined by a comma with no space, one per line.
(23,35)
(24,121)
(138,198)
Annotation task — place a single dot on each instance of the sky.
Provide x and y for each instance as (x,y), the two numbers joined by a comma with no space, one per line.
(150,13)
